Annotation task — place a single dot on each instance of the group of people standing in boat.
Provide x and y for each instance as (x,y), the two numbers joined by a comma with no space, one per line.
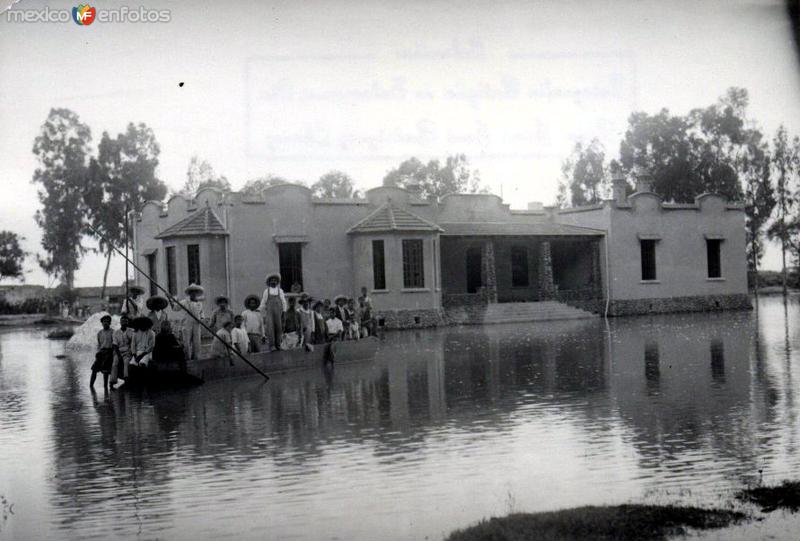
(269,323)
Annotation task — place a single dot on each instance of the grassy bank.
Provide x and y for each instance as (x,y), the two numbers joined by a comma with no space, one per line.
(769,498)
(618,522)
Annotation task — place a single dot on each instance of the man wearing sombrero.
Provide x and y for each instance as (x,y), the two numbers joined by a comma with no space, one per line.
(134,304)
(273,305)
(157,311)
(191,328)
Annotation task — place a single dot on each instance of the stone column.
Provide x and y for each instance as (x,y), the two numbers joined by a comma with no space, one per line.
(489,274)
(547,289)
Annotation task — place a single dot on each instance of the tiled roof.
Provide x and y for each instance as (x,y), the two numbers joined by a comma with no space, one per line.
(391,218)
(477,229)
(201,222)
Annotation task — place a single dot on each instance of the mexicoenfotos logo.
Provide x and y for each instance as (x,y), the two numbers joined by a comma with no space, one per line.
(84,14)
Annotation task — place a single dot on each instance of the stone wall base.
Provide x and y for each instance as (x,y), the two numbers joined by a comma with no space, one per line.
(702,303)
(409,319)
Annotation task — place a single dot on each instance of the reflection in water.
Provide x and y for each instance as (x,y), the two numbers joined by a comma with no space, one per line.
(718,361)
(442,429)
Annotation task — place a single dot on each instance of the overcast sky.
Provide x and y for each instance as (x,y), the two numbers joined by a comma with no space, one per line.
(300,88)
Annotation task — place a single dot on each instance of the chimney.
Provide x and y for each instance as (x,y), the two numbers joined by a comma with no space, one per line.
(535,205)
(619,188)
(644,182)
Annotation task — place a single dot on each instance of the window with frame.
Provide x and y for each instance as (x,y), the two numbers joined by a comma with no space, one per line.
(172,277)
(378,265)
(714,257)
(519,266)
(152,270)
(413,266)
(193,263)
(648,253)
(290,260)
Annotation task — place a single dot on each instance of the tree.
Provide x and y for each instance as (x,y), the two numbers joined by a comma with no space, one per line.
(199,175)
(62,149)
(584,175)
(785,161)
(12,255)
(335,184)
(455,176)
(256,185)
(123,178)
(759,195)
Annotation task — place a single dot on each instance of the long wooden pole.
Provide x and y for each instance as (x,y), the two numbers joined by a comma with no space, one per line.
(174,300)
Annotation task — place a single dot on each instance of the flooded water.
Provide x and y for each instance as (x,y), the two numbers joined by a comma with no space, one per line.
(446,427)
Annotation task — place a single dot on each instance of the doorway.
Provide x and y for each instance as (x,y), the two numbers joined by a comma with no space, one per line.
(473,269)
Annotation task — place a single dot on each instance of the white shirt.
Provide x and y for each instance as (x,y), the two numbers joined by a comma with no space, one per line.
(334,325)
(253,324)
(274,292)
(240,339)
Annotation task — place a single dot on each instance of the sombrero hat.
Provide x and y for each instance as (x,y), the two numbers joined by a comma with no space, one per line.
(251,298)
(194,287)
(156,302)
(273,275)
(338,298)
(142,323)
(222,298)
(136,289)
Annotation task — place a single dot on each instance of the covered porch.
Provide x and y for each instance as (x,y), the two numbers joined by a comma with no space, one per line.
(502,264)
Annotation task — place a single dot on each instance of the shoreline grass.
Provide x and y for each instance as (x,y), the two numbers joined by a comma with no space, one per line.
(618,522)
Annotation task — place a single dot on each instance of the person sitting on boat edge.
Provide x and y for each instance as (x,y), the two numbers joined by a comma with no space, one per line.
(166,347)
(191,328)
(223,338)
(292,326)
(307,320)
(157,306)
(144,339)
(320,334)
(104,357)
(239,337)
(122,352)
(222,314)
(133,305)
(273,305)
(253,323)
(333,326)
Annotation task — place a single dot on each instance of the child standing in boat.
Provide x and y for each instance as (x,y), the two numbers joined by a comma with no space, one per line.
(253,323)
(239,337)
(273,305)
(104,357)
(224,338)
(292,326)
(334,327)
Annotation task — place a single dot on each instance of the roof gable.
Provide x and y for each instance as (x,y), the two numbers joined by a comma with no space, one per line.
(201,222)
(391,218)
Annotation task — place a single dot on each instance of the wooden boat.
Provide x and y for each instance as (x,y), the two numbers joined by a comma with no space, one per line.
(209,368)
